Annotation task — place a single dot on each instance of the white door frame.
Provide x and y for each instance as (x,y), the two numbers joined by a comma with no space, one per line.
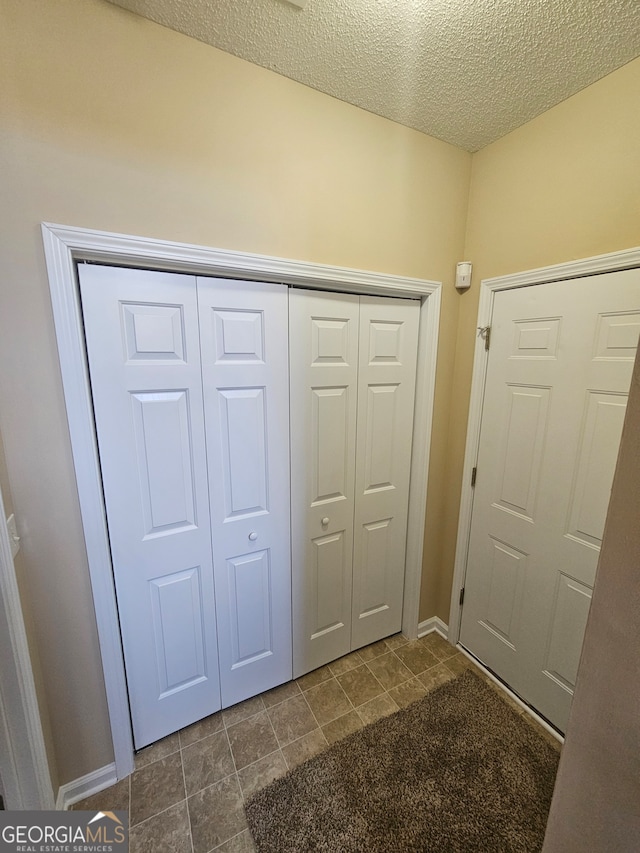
(26,780)
(64,246)
(611,262)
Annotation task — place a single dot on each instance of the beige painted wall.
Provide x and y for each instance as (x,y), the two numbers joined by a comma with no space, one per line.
(596,801)
(564,186)
(114,123)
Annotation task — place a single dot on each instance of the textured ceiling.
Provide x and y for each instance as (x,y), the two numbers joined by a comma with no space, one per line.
(465,71)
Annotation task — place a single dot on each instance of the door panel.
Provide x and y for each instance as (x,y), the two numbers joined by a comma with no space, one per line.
(249,584)
(176,605)
(388,331)
(330,414)
(524,431)
(243,328)
(326,574)
(164,459)
(507,569)
(595,463)
(144,360)
(557,380)
(242,415)
(323,329)
(570,610)
(377,555)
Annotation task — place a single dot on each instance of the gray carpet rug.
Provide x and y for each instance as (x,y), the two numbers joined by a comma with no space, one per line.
(456,772)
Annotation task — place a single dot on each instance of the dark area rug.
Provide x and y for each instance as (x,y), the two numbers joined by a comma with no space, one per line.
(456,771)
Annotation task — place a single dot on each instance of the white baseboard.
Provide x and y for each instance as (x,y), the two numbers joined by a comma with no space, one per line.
(85,786)
(431,625)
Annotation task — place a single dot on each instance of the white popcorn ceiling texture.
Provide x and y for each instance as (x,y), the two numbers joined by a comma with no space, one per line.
(464,71)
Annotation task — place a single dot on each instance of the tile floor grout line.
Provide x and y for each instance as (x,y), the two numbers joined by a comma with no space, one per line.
(231,725)
(271,724)
(244,719)
(219,846)
(233,758)
(244,797)
(386,689)
(157,814)
(311,709)
(298,739)
(186,795)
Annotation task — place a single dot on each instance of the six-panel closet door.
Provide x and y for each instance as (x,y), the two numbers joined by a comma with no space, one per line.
(388,344)
(245,361)
(353,367)
(181,466)
(144,357)
(323,342)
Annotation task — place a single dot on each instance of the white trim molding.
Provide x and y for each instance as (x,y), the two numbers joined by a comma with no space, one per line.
(431,625)
(26,778)
(64,246)
(612,262)
(85,786)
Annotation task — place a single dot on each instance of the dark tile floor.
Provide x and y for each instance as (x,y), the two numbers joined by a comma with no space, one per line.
(187,792)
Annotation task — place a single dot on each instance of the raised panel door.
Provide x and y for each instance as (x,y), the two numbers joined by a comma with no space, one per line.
(243,329)
(388,335)
(323,334)
(557,380)
(144,360)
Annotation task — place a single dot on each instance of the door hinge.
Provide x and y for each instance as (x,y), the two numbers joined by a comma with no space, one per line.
(461,596)
(485,334)
(474,474)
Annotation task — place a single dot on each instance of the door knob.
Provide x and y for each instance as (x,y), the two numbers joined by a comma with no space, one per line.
(253,536)
(325,521)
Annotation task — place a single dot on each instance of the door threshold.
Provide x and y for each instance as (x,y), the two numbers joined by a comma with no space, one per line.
(546,725)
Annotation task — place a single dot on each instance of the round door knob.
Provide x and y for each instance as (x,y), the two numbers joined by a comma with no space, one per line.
(253,536)
(325,521)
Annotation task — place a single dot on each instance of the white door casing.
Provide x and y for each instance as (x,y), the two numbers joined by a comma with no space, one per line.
(388,336)
(245,357)
(64,247)
(144,358)
(25,778)
(557,377)
(324,374)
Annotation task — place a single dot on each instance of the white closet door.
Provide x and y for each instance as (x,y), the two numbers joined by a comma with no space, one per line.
(323,329)
(386,391)
(144,359)
(246,393)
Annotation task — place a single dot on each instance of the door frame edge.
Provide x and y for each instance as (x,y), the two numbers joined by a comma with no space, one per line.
(64,246)
(26,779)
(610,262)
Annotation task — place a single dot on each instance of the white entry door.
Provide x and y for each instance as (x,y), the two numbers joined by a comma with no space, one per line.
(353,368)
(144,358)
(558,375)
(185,471)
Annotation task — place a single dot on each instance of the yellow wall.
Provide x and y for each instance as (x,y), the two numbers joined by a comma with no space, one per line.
(114,123)
(564,186)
